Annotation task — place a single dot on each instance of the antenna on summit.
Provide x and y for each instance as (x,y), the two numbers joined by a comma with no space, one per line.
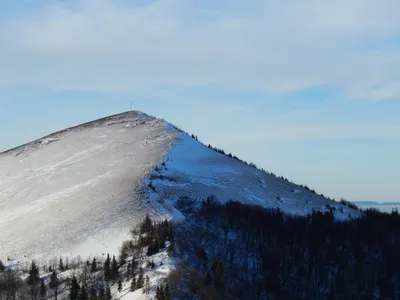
(131,106)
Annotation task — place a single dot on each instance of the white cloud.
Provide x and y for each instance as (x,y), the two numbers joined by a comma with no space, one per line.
(273,46)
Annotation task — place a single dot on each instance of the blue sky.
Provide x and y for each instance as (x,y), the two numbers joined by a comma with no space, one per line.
(308,90)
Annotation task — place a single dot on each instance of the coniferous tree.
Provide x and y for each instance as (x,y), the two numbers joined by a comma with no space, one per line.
(33,280)
(114,268)
(219,278)
(93,267)
(10,284)
(74,289)
(43,291)
(171,247)
(93,294)
(122,258)
(107,268)
(101,294)
(2,268)
(128,270)
(166,292)
(140,281)
(134,267)
(119,286)
(108,293)
(33,277)
(83,295)
(159,295)
(54,283)
(66,267)
(133,284)
(146,287)
(61,265)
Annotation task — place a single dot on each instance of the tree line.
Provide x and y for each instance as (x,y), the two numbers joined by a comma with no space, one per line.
(241,251)
(92,279)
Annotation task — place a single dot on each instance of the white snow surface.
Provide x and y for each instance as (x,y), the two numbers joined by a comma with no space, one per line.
(80,191)
(192,169)
(75,192)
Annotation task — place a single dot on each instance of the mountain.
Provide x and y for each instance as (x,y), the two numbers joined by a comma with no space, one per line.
(382,206)
(149,209)
(79,190)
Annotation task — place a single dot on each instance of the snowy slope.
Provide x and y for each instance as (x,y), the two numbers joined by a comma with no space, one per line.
(192,169)
(80,191)
(74,192)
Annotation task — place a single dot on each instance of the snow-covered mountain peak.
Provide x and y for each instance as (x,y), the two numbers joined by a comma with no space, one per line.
(75,191)
(79,191)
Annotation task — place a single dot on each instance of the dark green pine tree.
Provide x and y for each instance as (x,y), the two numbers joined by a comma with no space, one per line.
(114,268)
(166,292)
(133,284)
(43,291)
(146,225)
(134,267)
(122,258)
(61,265)
(54,283)
(33,280)
(33,277)
(93,294)
(219,278)
(83,295)
(101,294)
(74,289)
(108,293)
(2,268)
(93,267)
(119,286)
(146,287)
(140,281)
(128,270)
(171,247)
(107,268)
(159,293)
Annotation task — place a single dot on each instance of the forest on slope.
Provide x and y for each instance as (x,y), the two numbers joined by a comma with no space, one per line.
(231,251)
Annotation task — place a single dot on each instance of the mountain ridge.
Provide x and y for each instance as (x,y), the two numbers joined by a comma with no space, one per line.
(73,127)
(106,174)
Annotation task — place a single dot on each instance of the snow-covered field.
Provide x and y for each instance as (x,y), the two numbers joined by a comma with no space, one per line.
(81,190)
